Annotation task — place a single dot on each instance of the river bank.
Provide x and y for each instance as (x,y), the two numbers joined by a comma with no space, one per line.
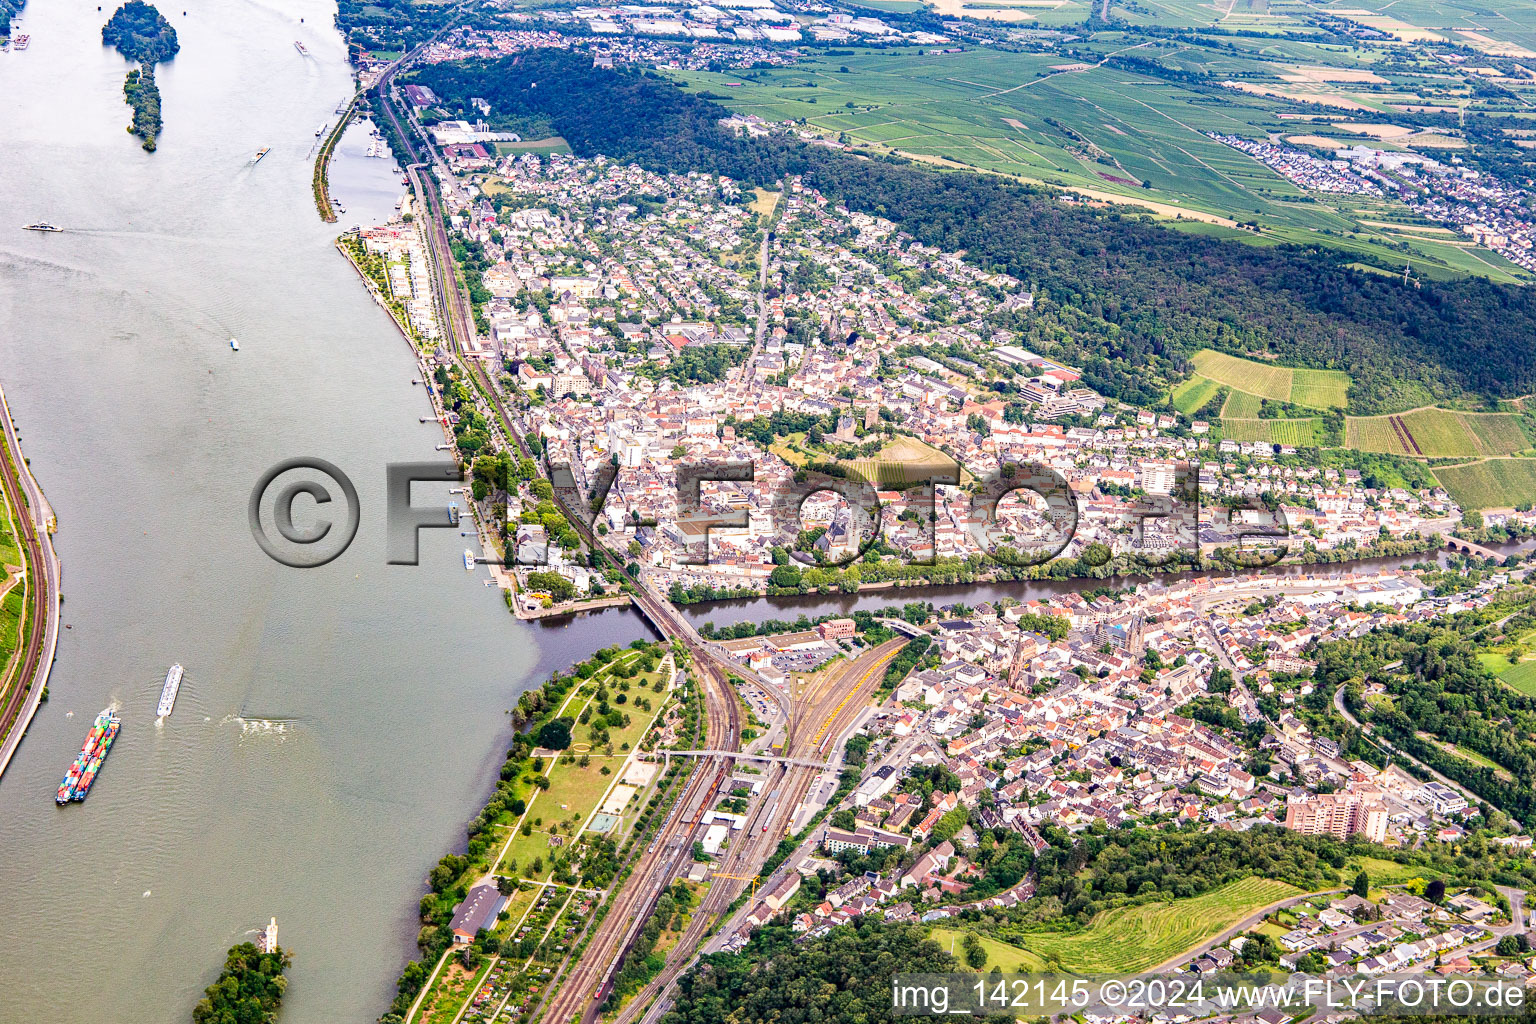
(336,725)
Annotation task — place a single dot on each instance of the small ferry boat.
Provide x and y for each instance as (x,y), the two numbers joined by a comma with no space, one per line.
(263,151)
(43,225)
(303,50)
(20,42)
(321,130)
(469,560)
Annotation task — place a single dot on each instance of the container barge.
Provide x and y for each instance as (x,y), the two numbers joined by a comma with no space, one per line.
(77,783)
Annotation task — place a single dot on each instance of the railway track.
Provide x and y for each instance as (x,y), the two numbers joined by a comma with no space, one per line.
(834,702)
(578,991)
(24,685)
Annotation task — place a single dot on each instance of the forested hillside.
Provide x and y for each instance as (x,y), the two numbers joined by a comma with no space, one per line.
(1126,299)
(843,976)
(1440,693)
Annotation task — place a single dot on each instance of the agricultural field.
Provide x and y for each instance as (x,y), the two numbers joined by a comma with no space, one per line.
(1491,483)
(1521,677)
(1097,120)
(1190,396)
(1255,378)
(1498,433)
(1436,433)
(903,460)
(1519,674)
(1292,432)
(1130,939)
(1320,389)
(1241,405)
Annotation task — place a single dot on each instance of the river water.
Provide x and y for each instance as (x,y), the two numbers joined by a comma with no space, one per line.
(337,726)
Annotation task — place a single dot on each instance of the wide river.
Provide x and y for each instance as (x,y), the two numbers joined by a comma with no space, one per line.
(338,726)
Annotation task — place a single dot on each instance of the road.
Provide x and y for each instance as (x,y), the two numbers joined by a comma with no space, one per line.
(1384,743)
(33,515)
(1189,956)
(817,719)
(590,978)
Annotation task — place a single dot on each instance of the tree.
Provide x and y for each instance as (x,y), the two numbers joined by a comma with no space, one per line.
(975,952)
(556,734)
(786,576)
(1435,890)
(1362,884)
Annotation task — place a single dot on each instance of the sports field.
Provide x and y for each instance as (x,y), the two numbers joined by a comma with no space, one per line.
(1491,483)
(1131,939)
(1436,433)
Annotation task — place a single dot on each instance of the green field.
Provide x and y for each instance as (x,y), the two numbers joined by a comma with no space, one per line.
(1241,405)
(1383,872)
(1492,483)
(1107,131)
(1320,389)
(1260,379)
(1498,433)
(1372,434)
(557,814)
(1521,676)
(1252,380)
(1007,958)
(1291,432)
(1121,115)
(538,147)
(1130,939)
(1190,396)
(1436,433)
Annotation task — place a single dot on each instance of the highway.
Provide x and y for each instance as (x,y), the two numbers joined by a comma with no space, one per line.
(24,689)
